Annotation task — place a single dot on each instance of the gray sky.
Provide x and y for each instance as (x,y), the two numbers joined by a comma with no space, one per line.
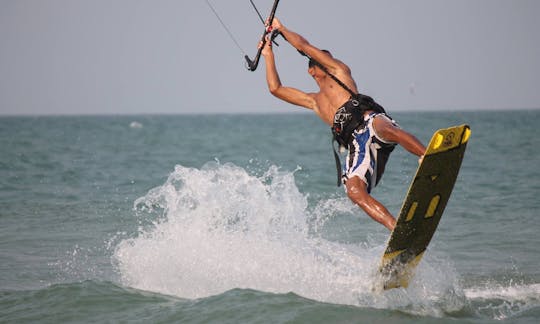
(173,56)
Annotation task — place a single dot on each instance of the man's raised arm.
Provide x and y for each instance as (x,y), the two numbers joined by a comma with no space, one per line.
(288,94)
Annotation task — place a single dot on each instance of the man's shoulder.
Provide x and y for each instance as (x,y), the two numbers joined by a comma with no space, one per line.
(342,68)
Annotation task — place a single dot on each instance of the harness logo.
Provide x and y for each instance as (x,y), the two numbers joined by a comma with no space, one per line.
(341,118)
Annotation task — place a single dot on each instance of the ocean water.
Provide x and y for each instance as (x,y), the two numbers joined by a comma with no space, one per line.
(237,219)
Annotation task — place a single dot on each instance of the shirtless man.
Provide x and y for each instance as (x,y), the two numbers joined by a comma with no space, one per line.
(358,122)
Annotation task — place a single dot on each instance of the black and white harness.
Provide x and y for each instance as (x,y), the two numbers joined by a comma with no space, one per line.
(350,116)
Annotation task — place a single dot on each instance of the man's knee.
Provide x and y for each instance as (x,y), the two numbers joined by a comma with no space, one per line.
(357,190)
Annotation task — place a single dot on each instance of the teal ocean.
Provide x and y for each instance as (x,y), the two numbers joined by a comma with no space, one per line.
(237,219)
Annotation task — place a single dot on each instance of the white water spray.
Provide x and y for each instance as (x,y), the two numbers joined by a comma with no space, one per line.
(222,228)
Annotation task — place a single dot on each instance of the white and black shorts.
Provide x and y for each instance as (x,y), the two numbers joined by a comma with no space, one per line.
(368,154)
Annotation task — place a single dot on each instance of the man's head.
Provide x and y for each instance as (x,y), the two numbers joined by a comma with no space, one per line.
(311,62)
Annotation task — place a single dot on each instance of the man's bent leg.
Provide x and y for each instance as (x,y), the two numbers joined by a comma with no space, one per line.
(357,192)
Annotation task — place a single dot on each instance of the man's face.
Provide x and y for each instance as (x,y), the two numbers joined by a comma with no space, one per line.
(315,71)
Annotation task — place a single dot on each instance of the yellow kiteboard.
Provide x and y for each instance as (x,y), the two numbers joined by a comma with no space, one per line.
(424,205)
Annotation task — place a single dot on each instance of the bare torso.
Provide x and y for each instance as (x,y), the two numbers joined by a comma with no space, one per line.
(331,96)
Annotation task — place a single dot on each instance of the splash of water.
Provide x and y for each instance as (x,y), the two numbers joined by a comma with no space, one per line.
(220,228)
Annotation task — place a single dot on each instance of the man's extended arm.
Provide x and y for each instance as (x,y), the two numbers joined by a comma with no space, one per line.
(301,44)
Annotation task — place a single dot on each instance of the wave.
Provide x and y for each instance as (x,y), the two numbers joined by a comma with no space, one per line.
(502,301)
(103,301)
(87,301)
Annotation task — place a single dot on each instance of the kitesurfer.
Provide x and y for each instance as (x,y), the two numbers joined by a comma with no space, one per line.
(359,124)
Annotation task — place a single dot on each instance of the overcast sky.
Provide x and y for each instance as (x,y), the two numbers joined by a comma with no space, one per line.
(173,56)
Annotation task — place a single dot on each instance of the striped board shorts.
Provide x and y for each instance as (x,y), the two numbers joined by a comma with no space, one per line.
(368,154)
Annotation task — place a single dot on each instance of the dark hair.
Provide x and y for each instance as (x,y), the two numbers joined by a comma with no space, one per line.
(312,62)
